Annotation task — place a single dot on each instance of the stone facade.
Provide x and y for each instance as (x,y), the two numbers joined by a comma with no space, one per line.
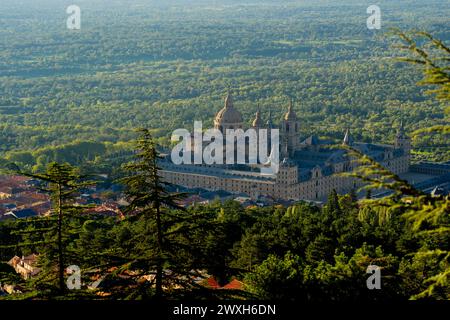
(309,170)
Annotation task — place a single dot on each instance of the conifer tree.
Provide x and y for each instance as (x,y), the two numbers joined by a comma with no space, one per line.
(429,216)
(433,56)
(149,197)
(52,234)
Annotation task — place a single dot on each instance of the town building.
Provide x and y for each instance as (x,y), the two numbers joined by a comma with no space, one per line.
(25,266)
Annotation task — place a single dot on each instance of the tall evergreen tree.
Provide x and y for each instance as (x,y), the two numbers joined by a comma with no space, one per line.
(52,234)
(149,197)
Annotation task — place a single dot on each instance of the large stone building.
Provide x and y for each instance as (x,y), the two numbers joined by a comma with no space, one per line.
(309,169)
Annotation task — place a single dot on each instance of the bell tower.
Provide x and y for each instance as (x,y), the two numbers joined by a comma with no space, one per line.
(290,128)
(402,141)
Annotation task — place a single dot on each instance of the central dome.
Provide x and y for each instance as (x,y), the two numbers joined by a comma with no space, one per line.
(228,115)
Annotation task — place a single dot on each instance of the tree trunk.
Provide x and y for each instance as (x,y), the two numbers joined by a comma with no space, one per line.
(159,267)
(60,244)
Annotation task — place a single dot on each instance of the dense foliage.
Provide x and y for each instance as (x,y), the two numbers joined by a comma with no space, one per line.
(141,66)
(296,253)
(75,97)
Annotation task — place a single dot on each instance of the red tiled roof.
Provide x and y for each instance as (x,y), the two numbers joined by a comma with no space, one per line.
(234,285)
(212,283)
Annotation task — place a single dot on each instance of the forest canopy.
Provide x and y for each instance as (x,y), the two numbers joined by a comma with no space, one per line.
(162,65)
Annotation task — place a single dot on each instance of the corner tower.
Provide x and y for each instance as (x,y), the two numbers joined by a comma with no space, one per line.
(290,128)
(402,141)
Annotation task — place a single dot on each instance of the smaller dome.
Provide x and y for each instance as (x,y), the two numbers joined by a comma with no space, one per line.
(257,123)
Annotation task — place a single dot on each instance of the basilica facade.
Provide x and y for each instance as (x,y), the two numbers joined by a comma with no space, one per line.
(309,168)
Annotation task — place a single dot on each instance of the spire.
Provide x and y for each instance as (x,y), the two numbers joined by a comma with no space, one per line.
(290,115)
(229,101)
(347,139)
(269,120)
(401,130)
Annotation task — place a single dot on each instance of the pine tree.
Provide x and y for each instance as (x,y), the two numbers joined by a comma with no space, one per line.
(53,233)
(433,56)
(149,197)
(332,209)
(430,215)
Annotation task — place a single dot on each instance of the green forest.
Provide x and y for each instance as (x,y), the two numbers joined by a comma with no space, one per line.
(71,103)
(299,253)
(164,65)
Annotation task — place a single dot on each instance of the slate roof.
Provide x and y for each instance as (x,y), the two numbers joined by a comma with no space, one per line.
(20,214)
